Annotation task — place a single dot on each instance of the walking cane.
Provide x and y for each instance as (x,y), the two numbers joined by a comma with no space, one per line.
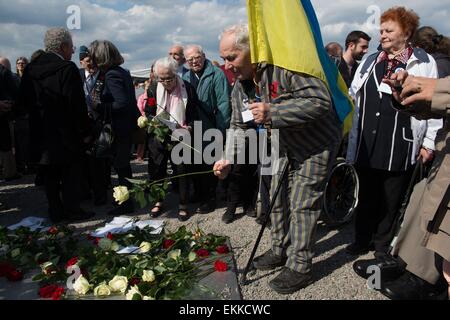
(266,220)
(416,176)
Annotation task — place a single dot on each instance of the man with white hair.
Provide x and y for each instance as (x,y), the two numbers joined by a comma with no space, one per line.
(300,107)
(52,93)
(177,53)
(213,92)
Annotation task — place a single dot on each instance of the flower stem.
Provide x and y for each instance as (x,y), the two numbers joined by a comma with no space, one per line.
(180,176)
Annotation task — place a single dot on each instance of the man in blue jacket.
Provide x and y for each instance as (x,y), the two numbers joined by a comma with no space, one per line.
(214,112)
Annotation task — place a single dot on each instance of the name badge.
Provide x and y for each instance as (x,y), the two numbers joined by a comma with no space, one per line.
(247,116)
(385,88)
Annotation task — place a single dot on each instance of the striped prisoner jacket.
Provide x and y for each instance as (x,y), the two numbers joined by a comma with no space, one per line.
(301,108)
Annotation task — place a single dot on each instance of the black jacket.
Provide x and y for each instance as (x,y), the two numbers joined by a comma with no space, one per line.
(343,69)
(119,95)
(8,91)
(443,64)
(51,92)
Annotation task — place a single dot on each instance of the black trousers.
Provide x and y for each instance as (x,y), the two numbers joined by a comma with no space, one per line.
(62,187)
(242,185)
(95,176)
(205,185)
(157,170)
(380,196)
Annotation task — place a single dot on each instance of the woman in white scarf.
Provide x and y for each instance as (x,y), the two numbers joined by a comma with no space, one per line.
(176,103)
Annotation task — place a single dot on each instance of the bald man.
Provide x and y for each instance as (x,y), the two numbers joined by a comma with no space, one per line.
(177,53)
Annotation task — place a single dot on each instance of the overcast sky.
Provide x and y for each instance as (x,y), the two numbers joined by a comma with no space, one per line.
(143,30)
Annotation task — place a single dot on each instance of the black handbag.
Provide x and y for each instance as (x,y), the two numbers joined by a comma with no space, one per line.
(103,144)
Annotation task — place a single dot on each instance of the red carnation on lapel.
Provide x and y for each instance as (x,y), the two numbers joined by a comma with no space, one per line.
(151,102)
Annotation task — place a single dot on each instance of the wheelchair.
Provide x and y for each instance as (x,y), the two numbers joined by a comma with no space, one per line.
(340,197)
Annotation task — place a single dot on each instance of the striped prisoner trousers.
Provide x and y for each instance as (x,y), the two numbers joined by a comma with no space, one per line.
(293,229)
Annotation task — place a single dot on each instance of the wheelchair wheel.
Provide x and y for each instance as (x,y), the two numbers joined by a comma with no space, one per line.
(341,194)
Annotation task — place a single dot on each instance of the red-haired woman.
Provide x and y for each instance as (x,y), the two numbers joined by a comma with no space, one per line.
(384,144)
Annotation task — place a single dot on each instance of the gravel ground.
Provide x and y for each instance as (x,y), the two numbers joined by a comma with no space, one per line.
(334,278)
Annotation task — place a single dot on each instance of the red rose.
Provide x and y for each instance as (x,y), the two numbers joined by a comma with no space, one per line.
(110,236)
(90,237)
(5,269)
(96,241)
(220,266)
(51,291)
(167,244)
(58,293)
(53,230)
(134,281)
(15,276)
(47,291)
(151,102)
(72,262)
(202,253)
(223,249)
(274,90)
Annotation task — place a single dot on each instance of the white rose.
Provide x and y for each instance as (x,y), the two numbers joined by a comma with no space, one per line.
(142,122)
(148,276)
(145,247)
(115,246)
(121,194)
(134,290)
(192,256)
(102,290)
(81,285)
(105,244)
(147,298)
(119,284)
(174,254)
(15,253)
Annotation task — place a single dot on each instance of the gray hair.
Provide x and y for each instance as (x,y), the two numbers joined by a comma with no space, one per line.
(105,54)
(166,63)
(196,47)
(5,62)
(241,33)
(55,38)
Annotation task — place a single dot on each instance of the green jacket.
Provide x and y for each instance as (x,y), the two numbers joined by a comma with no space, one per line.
(214,95)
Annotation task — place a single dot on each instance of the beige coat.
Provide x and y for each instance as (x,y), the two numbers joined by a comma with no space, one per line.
(435,200)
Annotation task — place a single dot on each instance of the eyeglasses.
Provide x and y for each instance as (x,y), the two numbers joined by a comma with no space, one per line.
(167,80)
(21,63)
(198,58)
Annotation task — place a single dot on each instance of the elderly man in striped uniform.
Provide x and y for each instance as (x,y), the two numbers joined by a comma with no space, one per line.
(300,107)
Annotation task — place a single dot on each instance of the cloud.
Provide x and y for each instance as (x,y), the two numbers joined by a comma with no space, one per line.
(143,30)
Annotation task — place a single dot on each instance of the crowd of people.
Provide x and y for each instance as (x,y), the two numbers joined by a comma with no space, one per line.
(51,114)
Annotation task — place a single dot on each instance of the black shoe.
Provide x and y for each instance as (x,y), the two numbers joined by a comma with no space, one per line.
(290,281)
(356,249)
(207,207)
(269,261)
(183,217)
(125,208)
(389,267)
(228,216)
(411,287)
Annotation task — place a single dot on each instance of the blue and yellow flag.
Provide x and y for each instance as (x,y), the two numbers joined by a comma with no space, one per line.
(286,33)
